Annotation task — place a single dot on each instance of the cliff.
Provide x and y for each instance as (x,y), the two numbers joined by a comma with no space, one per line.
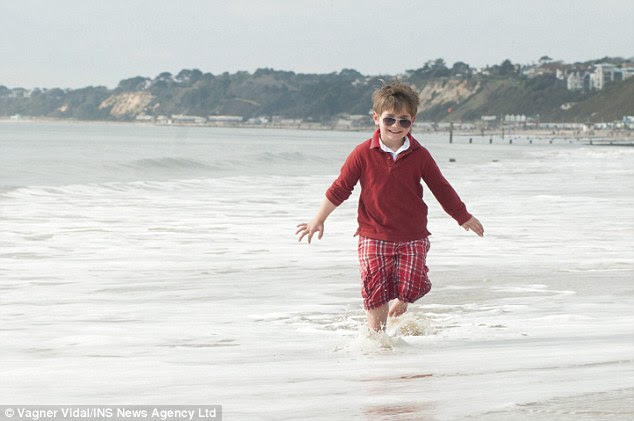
(126,104)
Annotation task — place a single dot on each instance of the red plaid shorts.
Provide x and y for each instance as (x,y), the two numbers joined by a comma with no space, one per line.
(392,269)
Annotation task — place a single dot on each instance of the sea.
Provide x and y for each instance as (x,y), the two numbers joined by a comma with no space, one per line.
(158,265)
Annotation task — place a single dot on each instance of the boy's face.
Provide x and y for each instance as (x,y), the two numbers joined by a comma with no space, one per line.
(393,133)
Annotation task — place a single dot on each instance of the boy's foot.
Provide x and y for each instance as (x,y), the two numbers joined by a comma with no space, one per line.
(399,307)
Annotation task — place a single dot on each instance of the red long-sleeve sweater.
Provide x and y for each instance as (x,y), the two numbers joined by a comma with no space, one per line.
(391,205)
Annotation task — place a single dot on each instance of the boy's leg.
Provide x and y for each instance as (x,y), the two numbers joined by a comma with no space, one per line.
(413,282)
(376,259)
(398,307)
(377,318)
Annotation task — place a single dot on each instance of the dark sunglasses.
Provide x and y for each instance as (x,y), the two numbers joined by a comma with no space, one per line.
(390,121)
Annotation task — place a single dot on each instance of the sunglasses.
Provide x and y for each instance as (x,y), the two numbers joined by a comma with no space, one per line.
(390,121)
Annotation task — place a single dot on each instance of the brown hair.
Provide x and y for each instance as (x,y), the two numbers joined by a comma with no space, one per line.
(395,96)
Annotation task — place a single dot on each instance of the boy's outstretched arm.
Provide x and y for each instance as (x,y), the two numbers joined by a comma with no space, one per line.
(317,224)
(474,225)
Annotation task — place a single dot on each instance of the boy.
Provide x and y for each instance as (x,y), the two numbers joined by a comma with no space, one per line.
(393,236)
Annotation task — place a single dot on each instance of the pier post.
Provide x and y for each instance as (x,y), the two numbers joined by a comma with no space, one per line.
(451,132)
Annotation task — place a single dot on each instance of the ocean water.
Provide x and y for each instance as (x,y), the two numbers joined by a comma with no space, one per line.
(158,265)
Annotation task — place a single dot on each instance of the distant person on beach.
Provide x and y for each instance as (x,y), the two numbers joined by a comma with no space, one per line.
(392,217)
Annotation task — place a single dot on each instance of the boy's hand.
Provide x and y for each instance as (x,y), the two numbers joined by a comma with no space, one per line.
(474,225)
(310,229)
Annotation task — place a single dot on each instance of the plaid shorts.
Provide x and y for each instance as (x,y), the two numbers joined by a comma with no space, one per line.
(392,269)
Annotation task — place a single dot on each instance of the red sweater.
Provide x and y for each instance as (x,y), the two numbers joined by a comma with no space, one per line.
(391,203)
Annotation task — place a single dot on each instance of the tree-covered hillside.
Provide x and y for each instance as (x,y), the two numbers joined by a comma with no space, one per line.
(458,93)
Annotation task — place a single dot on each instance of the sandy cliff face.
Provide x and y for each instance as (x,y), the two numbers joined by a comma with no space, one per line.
(127,103)
(442,92)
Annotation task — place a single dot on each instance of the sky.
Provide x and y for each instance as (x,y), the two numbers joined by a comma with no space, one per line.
(78,43)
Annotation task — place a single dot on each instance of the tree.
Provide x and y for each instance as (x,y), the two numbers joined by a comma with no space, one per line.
(133,84)
(165,76)
(188,77)
(460,68)
(350,74)
(439,68)
(506,68)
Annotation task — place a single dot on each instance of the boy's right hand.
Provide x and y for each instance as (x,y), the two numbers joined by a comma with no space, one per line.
(309,229)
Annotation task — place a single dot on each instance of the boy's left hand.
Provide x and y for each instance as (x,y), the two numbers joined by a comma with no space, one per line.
(474,225)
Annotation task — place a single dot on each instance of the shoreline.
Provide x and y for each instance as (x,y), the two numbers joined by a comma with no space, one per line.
(598,137)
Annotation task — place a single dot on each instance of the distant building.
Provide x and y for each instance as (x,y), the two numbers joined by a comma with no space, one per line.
(290,121)
(466,126)
(627,72)
(611,73)
(545,67)
(285,122)
(511,118)
(604,74)
(574,81)
(225,119)
(424,125)
(180,118)
(489,120)
(347,121)
(258,120)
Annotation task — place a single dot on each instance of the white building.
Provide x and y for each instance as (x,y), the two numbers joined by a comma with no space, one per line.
(512,118)
(144,117)
(575,81)
(180,118)
(627,72)
(610,73)
(604,73)
(234,119)
(258,120)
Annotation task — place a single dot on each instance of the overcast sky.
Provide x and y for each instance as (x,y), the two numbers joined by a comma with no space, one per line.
(76,43)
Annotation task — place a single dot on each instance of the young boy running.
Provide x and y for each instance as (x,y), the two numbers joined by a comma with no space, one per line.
(392,217)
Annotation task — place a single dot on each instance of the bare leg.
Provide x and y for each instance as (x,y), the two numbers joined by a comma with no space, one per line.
(377,318)
(398,307)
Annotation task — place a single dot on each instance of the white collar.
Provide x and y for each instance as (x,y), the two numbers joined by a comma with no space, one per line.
(404,147)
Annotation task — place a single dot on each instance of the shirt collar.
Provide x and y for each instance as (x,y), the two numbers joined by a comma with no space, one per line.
(404,147)
(375,142)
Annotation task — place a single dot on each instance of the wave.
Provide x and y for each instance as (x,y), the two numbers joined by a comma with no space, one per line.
(206,184)
(291,157)
(4,188)
(236,162)
(171,163)
(105,189)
